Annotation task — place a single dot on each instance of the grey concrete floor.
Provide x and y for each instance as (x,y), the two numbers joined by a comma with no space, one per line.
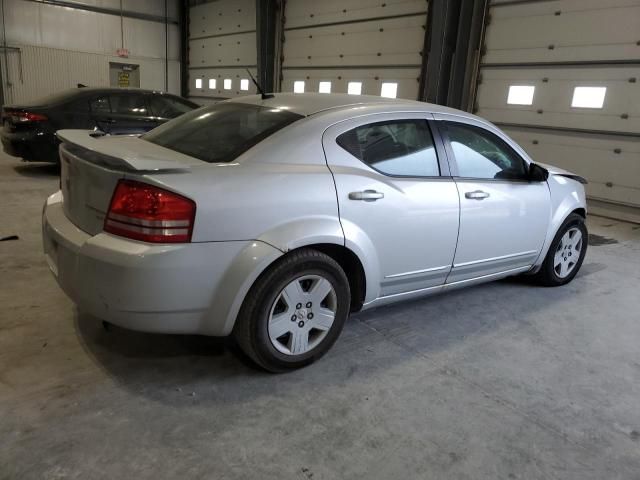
(501,381)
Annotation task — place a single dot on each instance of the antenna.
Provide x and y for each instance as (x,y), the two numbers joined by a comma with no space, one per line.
(260,91)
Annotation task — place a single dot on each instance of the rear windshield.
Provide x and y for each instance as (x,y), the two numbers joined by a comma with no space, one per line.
(221,132)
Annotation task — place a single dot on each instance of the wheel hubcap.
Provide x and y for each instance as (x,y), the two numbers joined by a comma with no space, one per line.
(568,252)
(302,314)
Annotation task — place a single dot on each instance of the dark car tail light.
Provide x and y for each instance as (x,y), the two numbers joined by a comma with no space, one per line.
(23,117)
(144,212)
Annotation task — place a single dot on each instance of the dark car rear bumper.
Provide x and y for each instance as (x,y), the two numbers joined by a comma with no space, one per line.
(30,146)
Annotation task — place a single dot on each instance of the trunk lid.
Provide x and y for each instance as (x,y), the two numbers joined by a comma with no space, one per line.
(91,167)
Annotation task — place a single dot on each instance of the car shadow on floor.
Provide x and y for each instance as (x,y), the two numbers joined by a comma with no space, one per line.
(37,170)
(170,368)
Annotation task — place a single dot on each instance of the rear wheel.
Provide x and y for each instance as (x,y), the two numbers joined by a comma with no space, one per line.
(294,312)
(566,253)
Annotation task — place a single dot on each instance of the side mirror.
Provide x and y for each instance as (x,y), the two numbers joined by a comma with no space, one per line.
(538,173)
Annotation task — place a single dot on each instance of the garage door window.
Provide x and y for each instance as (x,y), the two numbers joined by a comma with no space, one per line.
(481,154)
(397,148)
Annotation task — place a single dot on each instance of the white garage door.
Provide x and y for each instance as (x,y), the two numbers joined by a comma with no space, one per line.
(353,46)
(563,79)
(222,45)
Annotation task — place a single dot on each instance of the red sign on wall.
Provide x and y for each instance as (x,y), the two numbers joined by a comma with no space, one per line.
(123,52)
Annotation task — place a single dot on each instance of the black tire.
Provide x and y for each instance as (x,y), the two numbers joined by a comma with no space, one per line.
(251,327)
(547,274)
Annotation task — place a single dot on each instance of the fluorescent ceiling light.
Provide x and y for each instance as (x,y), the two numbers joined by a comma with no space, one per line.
(198,83)
(227,84)
(298,86)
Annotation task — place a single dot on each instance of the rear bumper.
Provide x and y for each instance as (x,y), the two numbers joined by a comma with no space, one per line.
(193,288)
(31,146)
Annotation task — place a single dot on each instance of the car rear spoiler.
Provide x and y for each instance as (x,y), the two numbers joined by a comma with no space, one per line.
(123,153)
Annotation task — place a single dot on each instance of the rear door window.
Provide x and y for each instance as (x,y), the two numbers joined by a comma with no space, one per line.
(221,132)
(167,107)
(100,105)
(397,147)
(128,104)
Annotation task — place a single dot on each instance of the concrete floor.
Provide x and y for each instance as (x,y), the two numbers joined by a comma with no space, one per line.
(501,381)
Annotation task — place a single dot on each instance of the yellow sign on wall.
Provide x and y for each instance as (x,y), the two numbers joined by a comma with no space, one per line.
(123,79)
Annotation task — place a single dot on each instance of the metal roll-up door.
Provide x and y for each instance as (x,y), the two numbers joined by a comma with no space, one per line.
(573,67)
(222,45)
(351,46)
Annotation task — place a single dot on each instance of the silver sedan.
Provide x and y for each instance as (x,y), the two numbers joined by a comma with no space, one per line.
(272,219)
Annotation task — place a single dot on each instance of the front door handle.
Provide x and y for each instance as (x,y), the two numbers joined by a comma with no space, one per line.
(367,195)
(476,195)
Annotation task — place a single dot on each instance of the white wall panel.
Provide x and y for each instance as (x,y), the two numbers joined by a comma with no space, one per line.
(222,18)
(60,47)
(237,49)
(38,71)
(354,40)
(222,44)
(396,41)
(575,29)
(302,13)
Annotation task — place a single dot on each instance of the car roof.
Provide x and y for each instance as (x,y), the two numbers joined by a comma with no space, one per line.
(313,103)
(72,94)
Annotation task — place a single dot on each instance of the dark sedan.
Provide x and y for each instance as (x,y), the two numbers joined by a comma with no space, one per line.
(28,130)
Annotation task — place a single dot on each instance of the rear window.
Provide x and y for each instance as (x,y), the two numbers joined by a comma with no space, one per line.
(221,132)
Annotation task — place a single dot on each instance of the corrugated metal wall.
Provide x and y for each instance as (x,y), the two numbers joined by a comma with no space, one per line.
(222,45)
(54,48)
(342,41)
(556,46)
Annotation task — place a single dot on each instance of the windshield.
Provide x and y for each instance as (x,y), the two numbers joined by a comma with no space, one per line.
(221,132)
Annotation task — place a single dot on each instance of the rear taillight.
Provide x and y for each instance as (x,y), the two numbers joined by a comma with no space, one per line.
(18,116)
(143,212)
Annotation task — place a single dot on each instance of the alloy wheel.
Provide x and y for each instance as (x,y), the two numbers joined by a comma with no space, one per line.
(568,252)
(302,314)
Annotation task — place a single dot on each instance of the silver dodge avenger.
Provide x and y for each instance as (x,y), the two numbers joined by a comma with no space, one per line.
(273,218)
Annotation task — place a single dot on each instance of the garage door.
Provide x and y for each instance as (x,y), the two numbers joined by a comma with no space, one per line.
(353,46)
(563,79)
(222,46)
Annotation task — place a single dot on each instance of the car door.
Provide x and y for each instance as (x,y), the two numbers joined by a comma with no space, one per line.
(397,201)
(503,215)
(129,114)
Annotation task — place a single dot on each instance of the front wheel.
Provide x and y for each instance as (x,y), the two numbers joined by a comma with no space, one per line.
(566,253)
(294,312)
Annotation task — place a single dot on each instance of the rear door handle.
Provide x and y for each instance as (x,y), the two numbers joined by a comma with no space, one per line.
(476,195)
(367,195)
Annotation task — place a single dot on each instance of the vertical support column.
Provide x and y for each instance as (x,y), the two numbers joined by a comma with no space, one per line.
(450,54)
(266,26)
(184,48)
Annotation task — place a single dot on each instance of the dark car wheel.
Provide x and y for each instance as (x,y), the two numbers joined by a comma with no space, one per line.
(294,312)
(566,253)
